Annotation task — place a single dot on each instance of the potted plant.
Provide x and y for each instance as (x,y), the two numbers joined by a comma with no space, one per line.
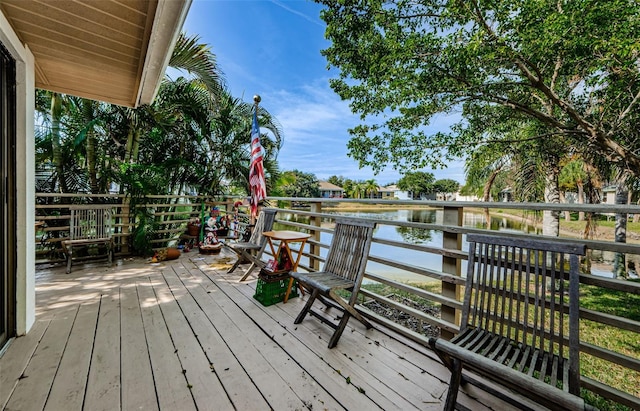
(193,227)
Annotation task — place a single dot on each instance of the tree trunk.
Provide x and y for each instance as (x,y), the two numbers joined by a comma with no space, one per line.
(580,199)
(619,263)
(91,162)
(550,218)
(563,200)
(486,194)
(135,149)
(128,146)
(133,145)
(56,114)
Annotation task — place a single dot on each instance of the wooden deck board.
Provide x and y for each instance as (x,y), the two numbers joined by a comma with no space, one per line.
(376,365)
(171,384)
(103,385)
(196,302)
(32,389)
(282,381)
(120,337)
(138,390)
(337,359)
(203,382)
(16,359)
(355,394)
(67,391)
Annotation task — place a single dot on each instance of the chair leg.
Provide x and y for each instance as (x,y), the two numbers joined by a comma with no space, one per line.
(246,274)
(235,265)
(347,308)
(69,253)
(307,307)
(338,332)
(454,385)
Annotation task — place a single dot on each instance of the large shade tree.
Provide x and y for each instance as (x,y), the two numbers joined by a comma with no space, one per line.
(571,67)
(568,69)
(417,182)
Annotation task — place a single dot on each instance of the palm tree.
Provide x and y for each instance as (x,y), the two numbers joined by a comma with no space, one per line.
(195,135)
(573,175)
(197,59)
(56,117)
(482,168)
(357,189)
(371,188)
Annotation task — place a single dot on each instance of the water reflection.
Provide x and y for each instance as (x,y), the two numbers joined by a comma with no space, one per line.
(423,237)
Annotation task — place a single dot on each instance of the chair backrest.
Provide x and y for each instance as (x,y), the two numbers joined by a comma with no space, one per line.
(525,290)
(349,250)
(265,221)
(90,222)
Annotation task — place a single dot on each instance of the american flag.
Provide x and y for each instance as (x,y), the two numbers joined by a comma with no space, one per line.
(256,169)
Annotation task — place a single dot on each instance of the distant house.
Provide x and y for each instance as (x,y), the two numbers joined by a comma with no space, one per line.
(328,190)
(446,196)
(386,193)
(506,195)
(397,193)
(460,197)
(609,195)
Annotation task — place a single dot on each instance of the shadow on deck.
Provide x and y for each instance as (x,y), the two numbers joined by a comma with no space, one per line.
(184,335)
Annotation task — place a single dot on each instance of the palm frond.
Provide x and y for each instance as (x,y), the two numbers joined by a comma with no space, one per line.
(197,59)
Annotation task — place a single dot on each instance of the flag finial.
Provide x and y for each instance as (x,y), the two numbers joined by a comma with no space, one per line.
(256,99)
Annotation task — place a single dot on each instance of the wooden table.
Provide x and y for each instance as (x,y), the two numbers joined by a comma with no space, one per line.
(285,238)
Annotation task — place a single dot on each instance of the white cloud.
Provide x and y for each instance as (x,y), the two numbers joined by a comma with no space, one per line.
(313,20)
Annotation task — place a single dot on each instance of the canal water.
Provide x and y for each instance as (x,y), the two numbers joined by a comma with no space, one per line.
(433,238)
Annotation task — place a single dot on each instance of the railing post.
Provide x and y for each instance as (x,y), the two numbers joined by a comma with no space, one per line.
(228,205)
(451,265)
(125,230)
(314,249)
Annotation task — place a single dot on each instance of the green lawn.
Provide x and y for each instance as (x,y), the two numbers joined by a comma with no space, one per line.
(625,342)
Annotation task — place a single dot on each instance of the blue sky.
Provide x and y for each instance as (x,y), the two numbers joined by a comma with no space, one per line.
(272,48)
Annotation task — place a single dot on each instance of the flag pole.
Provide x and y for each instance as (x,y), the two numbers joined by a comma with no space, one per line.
(257,189)
(256,102)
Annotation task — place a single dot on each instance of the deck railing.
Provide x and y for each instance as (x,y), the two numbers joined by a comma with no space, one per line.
(612,354)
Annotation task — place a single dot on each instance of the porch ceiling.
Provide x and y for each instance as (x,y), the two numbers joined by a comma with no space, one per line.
(108,50)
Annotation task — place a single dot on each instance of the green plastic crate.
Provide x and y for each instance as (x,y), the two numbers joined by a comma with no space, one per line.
(272,292)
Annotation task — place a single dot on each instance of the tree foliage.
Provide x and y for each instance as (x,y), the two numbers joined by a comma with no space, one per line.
(337,180)
(566,70)
(296,183)
(446,185)
(417,182)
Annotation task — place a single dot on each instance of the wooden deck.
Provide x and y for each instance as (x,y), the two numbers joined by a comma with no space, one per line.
(183,335)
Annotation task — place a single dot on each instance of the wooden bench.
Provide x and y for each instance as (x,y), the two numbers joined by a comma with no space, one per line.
(88,225)
(520,321)
(343,270)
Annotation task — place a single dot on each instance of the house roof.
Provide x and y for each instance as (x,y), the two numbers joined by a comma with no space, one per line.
(109,50)
(327,186)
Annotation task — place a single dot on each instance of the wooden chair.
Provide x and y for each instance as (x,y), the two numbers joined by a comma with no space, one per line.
(88,225)
(520,321)
(343,270)
(251,251)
